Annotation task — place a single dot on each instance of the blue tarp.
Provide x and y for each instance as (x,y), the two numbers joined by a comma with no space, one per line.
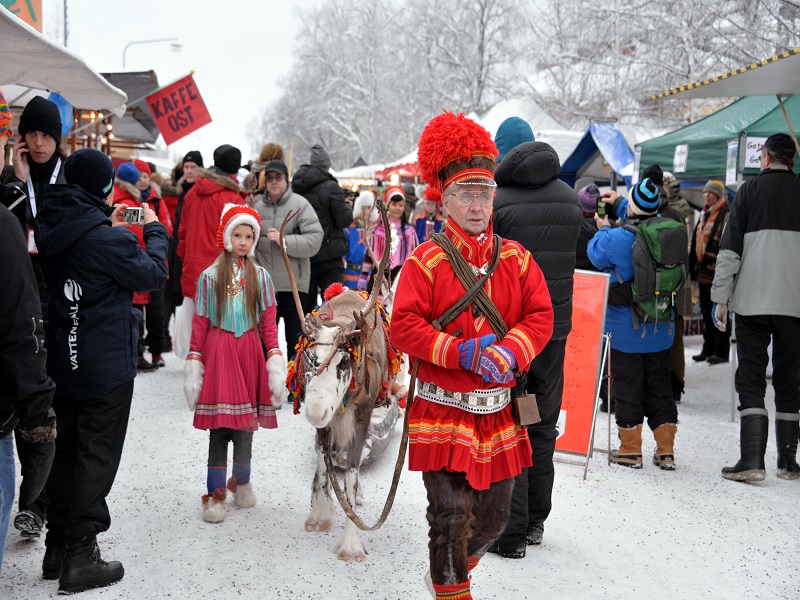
(607,139)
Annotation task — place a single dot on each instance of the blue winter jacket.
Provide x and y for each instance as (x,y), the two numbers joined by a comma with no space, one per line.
(92,270)
(611,251)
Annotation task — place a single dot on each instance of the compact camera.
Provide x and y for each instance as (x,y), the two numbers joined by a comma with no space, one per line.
(133,215)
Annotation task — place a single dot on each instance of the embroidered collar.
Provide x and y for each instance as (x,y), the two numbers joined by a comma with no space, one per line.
(476,249)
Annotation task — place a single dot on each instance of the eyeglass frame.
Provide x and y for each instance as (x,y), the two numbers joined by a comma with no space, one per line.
(473,195)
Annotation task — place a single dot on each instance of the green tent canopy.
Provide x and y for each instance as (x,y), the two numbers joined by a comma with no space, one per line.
(707,139)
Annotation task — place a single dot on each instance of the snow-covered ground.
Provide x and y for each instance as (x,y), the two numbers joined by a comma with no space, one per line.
(621,534)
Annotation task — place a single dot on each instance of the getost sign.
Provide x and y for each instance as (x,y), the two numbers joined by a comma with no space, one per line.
(178,109)
(29,11)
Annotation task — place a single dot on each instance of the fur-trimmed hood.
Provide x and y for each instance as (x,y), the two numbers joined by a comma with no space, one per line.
(170,189)
(207,179)
(130,189)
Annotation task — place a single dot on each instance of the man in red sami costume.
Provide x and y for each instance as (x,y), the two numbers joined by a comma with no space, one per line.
(463,436)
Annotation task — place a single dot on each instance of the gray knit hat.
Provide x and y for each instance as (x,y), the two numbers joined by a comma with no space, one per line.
(320,157)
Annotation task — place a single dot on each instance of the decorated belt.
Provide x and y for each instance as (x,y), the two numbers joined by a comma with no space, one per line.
(479,401)
(353,266)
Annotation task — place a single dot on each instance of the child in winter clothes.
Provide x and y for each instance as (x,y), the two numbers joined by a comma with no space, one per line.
(235,301)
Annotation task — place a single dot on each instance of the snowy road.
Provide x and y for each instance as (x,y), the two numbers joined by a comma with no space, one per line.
(620,534)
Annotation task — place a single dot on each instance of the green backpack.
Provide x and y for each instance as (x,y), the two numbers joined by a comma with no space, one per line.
(660,267)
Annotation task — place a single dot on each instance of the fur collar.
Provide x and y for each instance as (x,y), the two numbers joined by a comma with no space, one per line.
(131,189)
(170,189)
(222,180)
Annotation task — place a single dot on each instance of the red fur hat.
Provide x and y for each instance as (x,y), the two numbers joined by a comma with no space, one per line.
(455,149)
(432,194)
(232,216)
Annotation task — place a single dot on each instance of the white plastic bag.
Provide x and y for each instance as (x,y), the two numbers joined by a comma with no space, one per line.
(182,336)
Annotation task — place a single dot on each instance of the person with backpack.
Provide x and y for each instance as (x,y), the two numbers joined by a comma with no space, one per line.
(703,263)
(640,319)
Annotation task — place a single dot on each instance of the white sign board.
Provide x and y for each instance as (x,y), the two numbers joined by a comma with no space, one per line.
(752,157)
(637,163)
(680,158)
(730,163)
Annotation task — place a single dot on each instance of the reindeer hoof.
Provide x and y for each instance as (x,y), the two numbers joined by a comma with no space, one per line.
(347,557)
(320,526)
(351,550)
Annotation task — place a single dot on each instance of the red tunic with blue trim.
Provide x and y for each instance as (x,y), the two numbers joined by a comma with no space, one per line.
(486,447)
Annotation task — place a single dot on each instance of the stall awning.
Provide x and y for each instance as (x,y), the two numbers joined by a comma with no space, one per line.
(34,64)
(777,75)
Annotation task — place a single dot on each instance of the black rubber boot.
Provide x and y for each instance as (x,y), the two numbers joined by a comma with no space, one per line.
(53,559)
(534,534)
(85,570)
(513,549)
(787,430)
(754,427)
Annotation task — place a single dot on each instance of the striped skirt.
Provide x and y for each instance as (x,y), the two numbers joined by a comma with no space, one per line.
(486,448)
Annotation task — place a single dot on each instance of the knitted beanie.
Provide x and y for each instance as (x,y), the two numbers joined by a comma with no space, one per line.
(645,198)
(511,133)
(142,167)
(128,172)
(91,170)
(234,215)
(228,158)
(654,173)
(41,114)
(320,157)
(588,196)
(715,187)
(195,157)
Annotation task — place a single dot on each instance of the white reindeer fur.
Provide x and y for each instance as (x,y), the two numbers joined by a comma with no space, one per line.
(276,374)
(193,371)
(324,392)
(214,510)
(244,495)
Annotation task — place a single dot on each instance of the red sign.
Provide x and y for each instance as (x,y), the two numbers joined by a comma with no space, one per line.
(581,362)
(178,109)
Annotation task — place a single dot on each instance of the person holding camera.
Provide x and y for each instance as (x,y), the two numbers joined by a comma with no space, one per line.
(93,270)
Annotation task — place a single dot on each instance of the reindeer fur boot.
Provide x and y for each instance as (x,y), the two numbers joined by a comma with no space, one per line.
(664,455)
(214,506)
(244,496)
(629,453)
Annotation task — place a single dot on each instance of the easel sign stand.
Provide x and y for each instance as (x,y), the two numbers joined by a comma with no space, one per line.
(584,360)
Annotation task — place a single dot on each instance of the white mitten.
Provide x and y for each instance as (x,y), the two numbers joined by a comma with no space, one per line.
(193,371)
(276,374)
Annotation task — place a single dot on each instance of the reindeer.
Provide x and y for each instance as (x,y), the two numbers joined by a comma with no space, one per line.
(344,364)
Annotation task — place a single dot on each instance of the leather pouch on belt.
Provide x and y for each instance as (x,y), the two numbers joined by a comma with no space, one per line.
(526,411)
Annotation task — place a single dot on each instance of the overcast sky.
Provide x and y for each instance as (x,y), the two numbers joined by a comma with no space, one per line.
(238,50)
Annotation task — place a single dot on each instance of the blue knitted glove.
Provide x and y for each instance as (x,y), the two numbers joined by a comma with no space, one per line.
(497,365)
(470,351)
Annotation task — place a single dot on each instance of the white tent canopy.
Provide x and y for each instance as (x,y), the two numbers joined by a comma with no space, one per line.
(33,65)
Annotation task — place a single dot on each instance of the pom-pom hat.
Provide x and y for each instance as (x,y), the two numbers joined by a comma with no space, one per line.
(455,149)
(393,191)
(715,186)
(645,198)
(432,194)
(234,215)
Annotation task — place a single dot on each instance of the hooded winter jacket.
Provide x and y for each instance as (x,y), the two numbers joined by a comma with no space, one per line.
(303,237)
(93,269)
(199,222)
(541,212)
(323,193)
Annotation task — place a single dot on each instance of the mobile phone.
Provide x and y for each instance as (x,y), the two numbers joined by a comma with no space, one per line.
(601,207)
(133,215)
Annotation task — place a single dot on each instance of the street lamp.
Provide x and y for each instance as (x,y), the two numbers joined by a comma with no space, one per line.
(176,47)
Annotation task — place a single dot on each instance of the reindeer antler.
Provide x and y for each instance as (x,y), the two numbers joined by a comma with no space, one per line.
(383,265)
(292,281)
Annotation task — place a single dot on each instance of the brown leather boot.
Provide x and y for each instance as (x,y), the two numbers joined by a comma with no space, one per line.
(629,453)
(664,456)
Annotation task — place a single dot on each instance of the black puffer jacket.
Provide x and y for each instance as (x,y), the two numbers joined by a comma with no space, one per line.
(541,212)
(323,192)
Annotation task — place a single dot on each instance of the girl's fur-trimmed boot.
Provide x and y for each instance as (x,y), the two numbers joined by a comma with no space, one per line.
(243,493)
(629,453)
(664,455)
(214,506)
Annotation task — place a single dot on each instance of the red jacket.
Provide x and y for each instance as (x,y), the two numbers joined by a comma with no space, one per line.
(197,234)
(428,287)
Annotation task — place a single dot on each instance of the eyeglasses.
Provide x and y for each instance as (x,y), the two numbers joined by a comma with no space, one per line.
(466,197)
(272,178)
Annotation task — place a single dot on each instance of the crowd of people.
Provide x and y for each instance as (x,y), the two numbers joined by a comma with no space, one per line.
(108,265)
